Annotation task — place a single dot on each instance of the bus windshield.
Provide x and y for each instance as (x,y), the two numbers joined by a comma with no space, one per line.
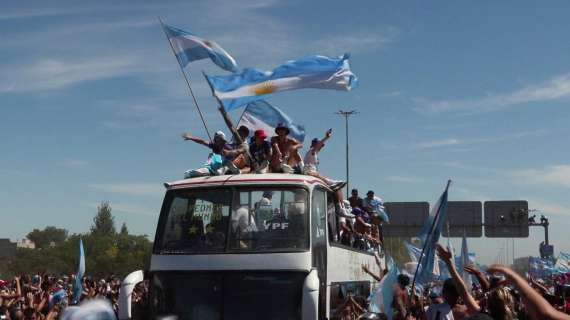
(234,220)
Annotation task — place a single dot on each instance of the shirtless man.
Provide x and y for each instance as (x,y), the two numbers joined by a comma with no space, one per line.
(285,151)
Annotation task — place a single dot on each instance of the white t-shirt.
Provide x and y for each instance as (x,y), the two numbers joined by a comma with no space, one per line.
(444,310)
(311,160)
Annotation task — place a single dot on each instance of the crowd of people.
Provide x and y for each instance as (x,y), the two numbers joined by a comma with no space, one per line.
(261,154)
(42,296)
(498,293)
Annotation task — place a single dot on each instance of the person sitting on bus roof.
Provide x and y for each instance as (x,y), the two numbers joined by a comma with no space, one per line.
(260,151)
(286,156)
(215,160)
(237,156)
(311,162)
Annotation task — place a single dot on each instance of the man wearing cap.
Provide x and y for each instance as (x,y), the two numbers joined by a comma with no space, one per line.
(375,206)
(215,160)
(286,156)
(260,151)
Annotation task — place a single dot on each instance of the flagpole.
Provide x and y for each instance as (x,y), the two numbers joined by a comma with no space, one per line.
(225,115)
(426,241)
(187,82)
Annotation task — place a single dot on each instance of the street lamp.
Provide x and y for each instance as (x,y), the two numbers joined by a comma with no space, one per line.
(347,114)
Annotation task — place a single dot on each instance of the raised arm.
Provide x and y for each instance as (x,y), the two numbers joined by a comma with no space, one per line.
(538,307)
(470,302)
(188,136)
(321,143)
(369,272)
(485,285)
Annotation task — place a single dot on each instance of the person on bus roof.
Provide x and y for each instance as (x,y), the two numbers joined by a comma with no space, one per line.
(237,156)
(214,164)
(311,162)
(286,156)
(260,151)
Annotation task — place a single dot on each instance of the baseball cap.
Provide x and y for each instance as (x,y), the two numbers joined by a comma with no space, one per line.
(260,134)
(220,135)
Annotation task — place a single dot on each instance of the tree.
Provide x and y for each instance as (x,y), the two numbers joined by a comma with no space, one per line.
(44,238)
(124,230)
(103,222)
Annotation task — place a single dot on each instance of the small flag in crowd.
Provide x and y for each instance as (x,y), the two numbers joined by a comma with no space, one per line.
(318,72)
(430,233)
(261,115)
(77,287)
(540,268)
(189,47)
(563,263)
(465,261)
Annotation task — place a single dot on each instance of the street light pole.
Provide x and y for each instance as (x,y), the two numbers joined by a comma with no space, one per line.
(347,114)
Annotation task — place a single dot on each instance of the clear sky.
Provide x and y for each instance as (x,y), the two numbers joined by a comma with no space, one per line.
(92,102)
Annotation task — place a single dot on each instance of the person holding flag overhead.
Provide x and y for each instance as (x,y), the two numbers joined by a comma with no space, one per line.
(286,156)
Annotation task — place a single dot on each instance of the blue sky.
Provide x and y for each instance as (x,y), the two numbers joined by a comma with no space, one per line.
(92,103)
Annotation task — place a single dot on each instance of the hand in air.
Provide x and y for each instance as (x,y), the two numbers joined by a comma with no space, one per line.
(443,253)
(186,136)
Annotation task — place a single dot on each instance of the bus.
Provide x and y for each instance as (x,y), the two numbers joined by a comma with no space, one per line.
(255,246)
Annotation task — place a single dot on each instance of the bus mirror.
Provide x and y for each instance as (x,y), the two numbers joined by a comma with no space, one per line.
(311,296)
(126,292)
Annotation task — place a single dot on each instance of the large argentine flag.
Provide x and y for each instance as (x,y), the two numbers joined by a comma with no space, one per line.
(261,115)
(317,72)
(188,47)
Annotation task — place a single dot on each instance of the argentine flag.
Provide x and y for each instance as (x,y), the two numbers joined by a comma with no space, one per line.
(188,47)
(77,287)
(261,115)
(430,233)
(318,72)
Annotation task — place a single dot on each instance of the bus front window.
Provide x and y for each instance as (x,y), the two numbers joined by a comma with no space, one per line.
(196,221)
(269,220)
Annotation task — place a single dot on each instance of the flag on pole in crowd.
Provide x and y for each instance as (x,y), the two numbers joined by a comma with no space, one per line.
(563,263)
(429,235)
(381,300)
(540,268)
(465,261)
(318,72)
(262,115)
(188,47)
(77,287)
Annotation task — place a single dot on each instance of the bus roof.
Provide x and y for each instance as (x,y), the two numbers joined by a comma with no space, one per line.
(246,179)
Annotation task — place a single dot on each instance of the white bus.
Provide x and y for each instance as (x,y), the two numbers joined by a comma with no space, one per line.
(250,246)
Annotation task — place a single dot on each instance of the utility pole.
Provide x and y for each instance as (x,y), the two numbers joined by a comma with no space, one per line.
(347,114)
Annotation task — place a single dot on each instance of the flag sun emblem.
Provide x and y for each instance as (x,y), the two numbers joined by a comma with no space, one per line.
(264,88)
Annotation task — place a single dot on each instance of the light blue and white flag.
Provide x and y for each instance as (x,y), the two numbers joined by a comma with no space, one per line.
(540,268)
(261,115)
(465,261)
(381,300)
(430,233)
(77,287)
(563,263)
(318,72)
(189,47)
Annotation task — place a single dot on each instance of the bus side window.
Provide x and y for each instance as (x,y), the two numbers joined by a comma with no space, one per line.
(319,214)
(332,218)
